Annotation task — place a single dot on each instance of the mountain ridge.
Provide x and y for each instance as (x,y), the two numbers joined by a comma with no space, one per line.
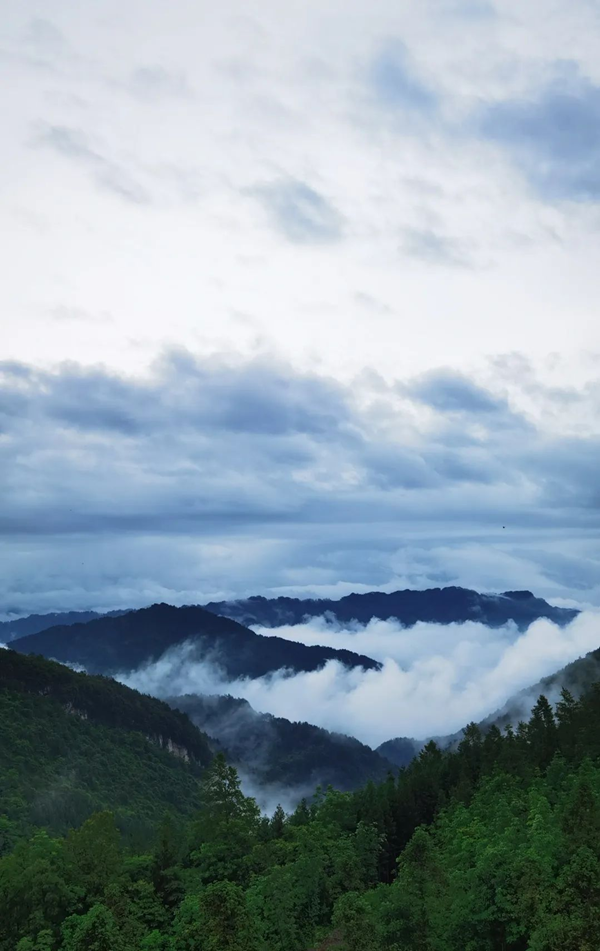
(454,604)
(446,605)
(34,623)
(112,645)
(275,750)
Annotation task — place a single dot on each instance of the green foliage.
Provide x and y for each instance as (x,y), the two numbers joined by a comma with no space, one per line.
(61,760)
(492,847)
(226,828)
(96,930)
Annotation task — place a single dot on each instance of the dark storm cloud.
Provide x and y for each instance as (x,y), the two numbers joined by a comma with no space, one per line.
(449,391)
(273,477)
(553,135)
(300,213)
(253,399)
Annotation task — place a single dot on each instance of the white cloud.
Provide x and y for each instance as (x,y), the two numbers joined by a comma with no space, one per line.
(434,679)
(167,240)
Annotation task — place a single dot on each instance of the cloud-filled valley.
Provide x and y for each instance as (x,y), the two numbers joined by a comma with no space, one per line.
(434,679)
(299,475)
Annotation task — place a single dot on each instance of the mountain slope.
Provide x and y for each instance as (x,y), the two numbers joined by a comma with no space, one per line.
(33,623)
(274,750)
(400,751)
(576,677)
(435,605)
(438,605)
(71,744)
(109,645)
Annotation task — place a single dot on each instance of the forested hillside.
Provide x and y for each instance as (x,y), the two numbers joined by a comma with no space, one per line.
(492,847)
(71,744)
(109,645)
(275,751)
(576,677)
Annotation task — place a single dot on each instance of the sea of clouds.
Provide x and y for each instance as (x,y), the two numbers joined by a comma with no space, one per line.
(433,680)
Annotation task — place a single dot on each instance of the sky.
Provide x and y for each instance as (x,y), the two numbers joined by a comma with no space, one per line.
(298,298)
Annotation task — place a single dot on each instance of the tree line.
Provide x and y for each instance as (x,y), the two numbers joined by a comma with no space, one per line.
(494,846)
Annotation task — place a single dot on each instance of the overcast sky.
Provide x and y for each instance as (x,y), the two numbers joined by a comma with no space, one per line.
(298,296)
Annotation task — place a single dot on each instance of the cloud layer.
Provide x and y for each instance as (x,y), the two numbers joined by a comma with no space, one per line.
(228,176)
(435,678)
(212,478)
(367,243)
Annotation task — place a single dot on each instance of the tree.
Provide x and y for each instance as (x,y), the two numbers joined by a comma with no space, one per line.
(36,890)
(541,733)
(95,851)
(95,931)
(353,917)
(166,877)
(227,924)
(278,822)
(227,825)
(188,929)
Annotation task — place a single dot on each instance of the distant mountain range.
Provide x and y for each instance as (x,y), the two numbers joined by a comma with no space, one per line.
(435,605)
(274,751)
(110,645)
(33,623)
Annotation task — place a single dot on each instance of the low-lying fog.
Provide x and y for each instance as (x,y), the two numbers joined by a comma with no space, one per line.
(434,678)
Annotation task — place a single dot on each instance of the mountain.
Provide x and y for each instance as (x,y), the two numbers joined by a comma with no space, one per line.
(435,605)
(400,751)
(494,845)
(577,677)
(21,627)
(108,645)
(71,744)
(275,751)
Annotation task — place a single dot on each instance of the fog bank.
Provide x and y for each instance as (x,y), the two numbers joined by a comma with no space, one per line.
(434,678)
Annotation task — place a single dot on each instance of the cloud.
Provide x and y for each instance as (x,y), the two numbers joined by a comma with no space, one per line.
(432,247)
(211,478)
(450,391)
(469,9)
(154,83)
(73,144)
(396,85)
(553,135)
(434,679)
(299,213)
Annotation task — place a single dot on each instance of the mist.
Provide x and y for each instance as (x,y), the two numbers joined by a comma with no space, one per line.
(434,678)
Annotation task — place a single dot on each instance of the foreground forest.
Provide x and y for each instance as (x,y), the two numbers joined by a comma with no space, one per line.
(493,846)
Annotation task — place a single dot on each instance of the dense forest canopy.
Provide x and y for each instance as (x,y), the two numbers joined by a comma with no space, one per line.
(492,847)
